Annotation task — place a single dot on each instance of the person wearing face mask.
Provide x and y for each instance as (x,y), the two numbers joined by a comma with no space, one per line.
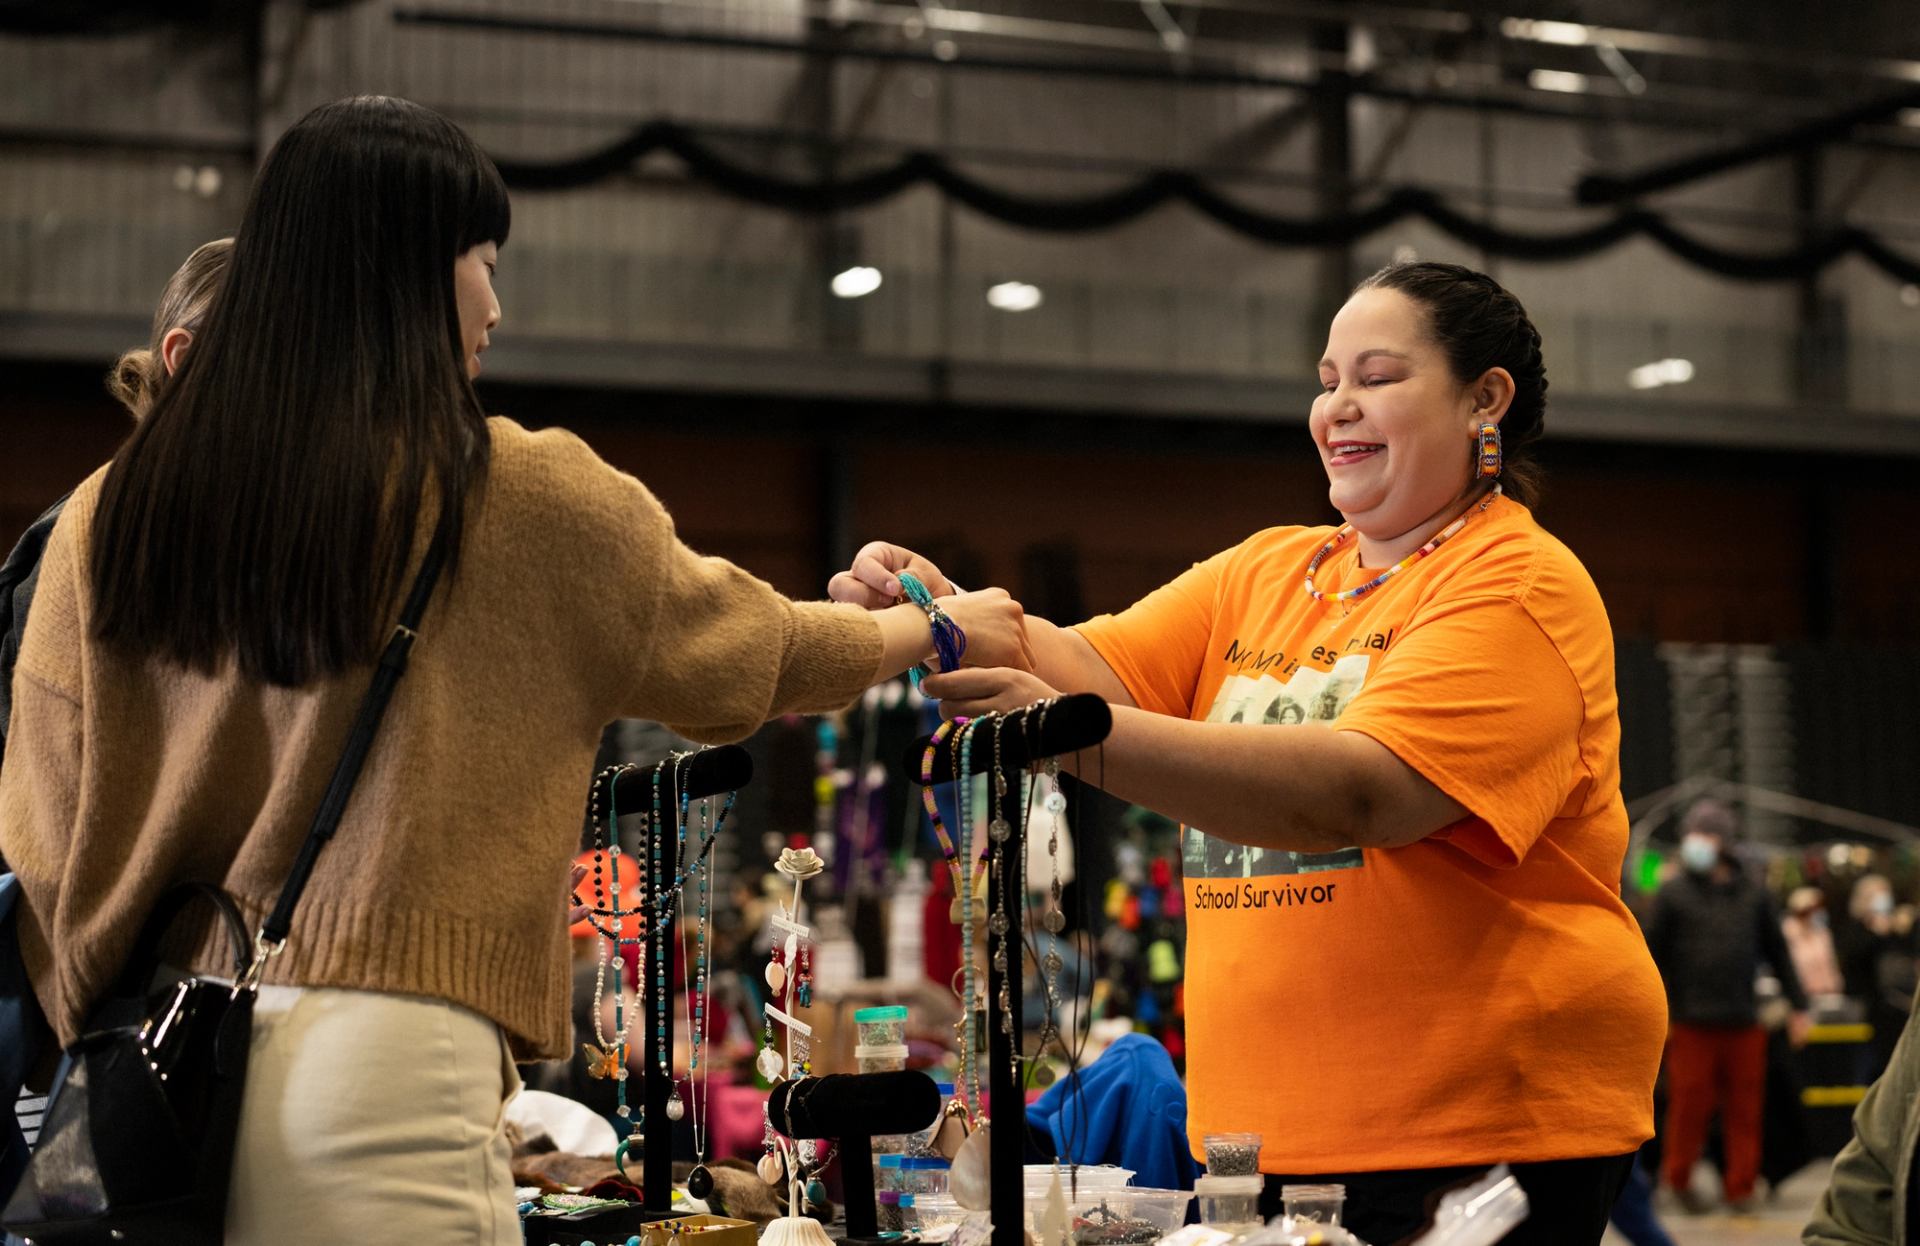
(1876,946)
(1430,969)
(1711,930)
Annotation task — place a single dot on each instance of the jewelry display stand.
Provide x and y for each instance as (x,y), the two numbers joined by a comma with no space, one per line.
(709,772)
(851,1108)
(1025,738)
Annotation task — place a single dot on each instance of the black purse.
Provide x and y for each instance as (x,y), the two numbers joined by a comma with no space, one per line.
(137,1146)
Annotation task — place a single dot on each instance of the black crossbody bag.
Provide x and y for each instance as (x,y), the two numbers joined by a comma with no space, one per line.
(137,1148)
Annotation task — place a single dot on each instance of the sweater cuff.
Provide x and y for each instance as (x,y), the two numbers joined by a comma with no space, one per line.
(833,652)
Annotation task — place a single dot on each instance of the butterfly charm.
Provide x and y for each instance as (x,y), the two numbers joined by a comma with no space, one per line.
(601,1063)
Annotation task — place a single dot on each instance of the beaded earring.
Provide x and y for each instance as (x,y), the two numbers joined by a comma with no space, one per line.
(1491,460)
(803,989)
(777,970)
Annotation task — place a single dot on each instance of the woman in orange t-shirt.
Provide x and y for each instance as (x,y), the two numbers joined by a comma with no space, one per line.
(1407,955)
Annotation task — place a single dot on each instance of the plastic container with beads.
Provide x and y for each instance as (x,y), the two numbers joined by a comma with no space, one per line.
(890,1211)
(922,1142)
(923,1174)
(882,1027)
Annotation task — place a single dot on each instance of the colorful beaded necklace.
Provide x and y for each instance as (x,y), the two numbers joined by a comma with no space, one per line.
(1346,530)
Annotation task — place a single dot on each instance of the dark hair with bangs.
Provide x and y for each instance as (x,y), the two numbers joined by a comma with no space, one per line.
(267,508)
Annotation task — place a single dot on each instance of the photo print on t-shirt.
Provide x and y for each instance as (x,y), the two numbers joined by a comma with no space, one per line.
(1310,695)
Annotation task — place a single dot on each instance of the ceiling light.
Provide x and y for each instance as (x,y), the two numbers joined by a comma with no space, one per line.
(1557,80)
(1014,296)
(1566,34)
(1661,372)
(857,282)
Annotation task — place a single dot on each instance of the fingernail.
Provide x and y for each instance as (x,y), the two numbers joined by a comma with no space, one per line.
(893,586)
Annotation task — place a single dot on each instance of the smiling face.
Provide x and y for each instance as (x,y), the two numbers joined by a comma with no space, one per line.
(1393,426)
(473,294)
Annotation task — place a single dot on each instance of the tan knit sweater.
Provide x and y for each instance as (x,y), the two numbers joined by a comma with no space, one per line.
(574,604)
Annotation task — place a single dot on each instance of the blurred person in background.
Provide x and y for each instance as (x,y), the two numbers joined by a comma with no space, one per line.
(1810,943)
(1712,929)
(135,380)
(1876,948)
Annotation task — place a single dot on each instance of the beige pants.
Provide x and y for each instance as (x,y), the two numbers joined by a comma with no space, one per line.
(372,1118)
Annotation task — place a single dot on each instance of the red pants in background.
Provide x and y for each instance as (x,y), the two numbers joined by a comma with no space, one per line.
(1711,1066)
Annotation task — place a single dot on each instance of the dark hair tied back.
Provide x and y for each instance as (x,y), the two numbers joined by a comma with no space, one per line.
(1479,325)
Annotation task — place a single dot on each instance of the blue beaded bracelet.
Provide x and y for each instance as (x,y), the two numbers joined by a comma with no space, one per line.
(949,641)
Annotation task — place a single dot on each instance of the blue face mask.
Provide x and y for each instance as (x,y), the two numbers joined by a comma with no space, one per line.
(1698,853)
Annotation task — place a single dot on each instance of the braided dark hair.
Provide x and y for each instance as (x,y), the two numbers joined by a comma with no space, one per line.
(1479,325)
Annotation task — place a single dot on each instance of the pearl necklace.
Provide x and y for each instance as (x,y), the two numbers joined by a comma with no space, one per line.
(1346,530)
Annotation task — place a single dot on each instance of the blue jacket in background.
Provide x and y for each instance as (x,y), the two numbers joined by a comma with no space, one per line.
(1128,1108)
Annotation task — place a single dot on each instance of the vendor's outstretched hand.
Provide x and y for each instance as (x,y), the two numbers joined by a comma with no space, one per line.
(578,913)
(971,693)
(873,581)
(996,628)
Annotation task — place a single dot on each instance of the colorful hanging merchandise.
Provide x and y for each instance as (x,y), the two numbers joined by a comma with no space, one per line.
(797,1162)
(618,926)
(699,1009)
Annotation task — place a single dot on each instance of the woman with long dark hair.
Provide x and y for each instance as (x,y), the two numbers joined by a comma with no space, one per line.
(209,609)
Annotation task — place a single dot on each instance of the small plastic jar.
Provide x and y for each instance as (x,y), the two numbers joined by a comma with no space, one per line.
(888,1175)
(889,1214)
(1228,1201)
(1313,1204)
(921,1174)
(1232,1155)
(883,1059)
(882,1027)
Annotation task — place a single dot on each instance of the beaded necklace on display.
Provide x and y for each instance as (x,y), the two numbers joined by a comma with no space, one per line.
(1351,594)
(969,1082)
(700,1180)
(610,1059)
(963,879)
(663,909)
(999,905)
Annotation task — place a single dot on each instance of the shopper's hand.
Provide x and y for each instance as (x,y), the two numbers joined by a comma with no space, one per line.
(873,582)
(971,693)
(578,913)
(1798,1025)
(996,628)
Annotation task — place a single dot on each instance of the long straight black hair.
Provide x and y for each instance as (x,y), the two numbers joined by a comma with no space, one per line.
(266,509)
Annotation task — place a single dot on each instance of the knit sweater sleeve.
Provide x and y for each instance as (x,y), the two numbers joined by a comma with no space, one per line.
(691,641)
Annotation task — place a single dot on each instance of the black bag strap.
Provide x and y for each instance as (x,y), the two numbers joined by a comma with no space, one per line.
(393,664)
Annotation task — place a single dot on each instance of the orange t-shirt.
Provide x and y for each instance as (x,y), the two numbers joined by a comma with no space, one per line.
(1482,995)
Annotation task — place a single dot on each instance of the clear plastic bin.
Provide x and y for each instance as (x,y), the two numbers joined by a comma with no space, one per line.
(1228,1202)
(1121,1216)
(920,1174)
(887,1058)
(1232,1155)
(935,1211)
(1313,1204)
(882,1027)
(889,1212)
(1076,1182)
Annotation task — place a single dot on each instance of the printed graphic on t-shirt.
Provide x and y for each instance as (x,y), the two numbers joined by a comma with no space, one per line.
(1308,695)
